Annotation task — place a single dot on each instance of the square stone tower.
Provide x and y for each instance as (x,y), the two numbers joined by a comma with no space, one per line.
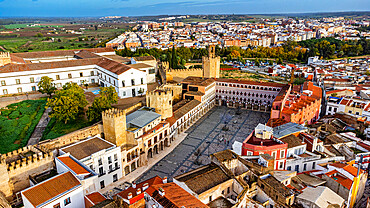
(211,63)
(161,99)
(114,126)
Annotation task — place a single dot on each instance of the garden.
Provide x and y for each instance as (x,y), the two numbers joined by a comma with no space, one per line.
(17,123)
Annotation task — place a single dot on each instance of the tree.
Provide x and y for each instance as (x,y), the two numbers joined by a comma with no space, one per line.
(84,83)
(108,96)
(46,86)
(67,103)
(235,54)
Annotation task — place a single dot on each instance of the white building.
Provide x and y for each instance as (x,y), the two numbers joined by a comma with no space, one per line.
(26,70)
(61,191)
(99,155)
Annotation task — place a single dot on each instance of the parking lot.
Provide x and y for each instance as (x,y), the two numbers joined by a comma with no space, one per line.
(216,131)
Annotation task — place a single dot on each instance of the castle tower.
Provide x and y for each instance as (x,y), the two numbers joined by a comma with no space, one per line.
(114,126)
(4,58)
(211,63)
(161,100)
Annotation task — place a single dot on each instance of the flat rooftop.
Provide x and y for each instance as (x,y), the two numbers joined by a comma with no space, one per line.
(87,147)
(141,118)
(288,128)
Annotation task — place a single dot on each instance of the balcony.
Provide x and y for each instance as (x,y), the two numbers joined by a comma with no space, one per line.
(114,169)
(101,174)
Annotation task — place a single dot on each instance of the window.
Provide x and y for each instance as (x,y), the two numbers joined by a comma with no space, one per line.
(249,153)
(282,154)
(32,80)
(132,82)
(115,178)
(304,167)
(19,89)
(92,80)
(335,109)
(142,81)
(17,81)
(151,71)
(109,159)
(281,165)
(57,77)
(70,76)
(81,74)
(92,73)
(297,168)
(329,108)
(289,168)
(91,167)
(123,94)
(3,83)
(116,165)
(123,83)
(274,155)
(5,91)
(100,162)
(350,111)
(67,201)
(357,113)
(228,190)
(110,168)
(57,205)
(210,198)
(102,184)
(33,88)
(109,79)
(115,157)
(101,172)
(313,165)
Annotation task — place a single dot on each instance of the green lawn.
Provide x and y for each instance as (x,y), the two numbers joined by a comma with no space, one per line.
(56,129)
(17,123)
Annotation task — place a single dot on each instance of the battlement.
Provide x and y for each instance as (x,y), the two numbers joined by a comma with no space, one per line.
(30,161)
(160,90)
(185,70)
(4,55)
(21,151)
(114,113)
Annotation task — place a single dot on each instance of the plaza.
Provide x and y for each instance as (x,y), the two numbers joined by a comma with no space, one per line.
(216,131)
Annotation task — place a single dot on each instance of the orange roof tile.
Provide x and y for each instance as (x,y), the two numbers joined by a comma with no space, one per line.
(73,165)
(344,181)
(51,188)
(95,197)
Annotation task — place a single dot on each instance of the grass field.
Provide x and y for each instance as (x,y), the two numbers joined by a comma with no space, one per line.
(17,123)
(56,129)
(14,26)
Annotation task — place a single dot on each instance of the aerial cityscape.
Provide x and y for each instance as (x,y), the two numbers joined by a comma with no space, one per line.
(184,104)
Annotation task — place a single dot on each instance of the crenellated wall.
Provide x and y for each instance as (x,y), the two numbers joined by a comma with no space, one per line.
(180,74)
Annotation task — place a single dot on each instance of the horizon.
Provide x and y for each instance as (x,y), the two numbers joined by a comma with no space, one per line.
(131,8)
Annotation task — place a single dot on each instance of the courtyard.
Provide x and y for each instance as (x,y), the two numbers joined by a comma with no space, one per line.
(214,132)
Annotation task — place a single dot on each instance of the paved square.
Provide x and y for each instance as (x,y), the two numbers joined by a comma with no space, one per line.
(214,132)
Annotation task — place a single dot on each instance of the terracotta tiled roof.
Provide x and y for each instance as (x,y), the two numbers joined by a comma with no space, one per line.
(153,181)
(344,181)
(41,54)
(95,197)
(113,66)
(203,178)
(73,165)
(175,196)
(144,58)
(51,188)
(86,54)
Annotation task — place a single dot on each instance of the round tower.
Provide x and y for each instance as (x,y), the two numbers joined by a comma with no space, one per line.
(161,100)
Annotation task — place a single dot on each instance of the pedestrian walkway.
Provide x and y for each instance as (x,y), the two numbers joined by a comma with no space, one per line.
(152,161)
(40,128)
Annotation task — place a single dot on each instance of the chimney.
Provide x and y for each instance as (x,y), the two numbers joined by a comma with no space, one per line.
(129,195)
(161,191)
(164,179)
(133,185)
(138,191)
(145,186)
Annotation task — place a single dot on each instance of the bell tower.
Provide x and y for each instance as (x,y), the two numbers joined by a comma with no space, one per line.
(211,63)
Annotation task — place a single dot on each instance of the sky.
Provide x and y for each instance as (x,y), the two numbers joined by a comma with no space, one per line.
(99,8)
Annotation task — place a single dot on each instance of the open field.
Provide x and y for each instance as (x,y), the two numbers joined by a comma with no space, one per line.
(17,123)
(21,38)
